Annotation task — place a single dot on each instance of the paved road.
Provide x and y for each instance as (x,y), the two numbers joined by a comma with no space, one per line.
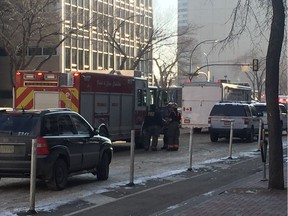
(149,168)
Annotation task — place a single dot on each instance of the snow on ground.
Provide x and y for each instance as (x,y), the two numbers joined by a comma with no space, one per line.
(147,165)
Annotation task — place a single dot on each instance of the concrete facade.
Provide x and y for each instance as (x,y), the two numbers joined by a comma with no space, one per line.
(213,20)
(88,48)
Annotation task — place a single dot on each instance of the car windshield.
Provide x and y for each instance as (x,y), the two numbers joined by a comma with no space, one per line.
(20,124)
(228,110)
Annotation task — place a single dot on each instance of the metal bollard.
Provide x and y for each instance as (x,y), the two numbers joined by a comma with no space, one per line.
(263,147)
(231,136)
(33,177)
(259,135)
(190,149)
(132,154)
(231,139)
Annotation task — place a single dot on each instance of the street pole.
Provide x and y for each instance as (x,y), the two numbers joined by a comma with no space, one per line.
(208,70)
(194,49)
(216,64)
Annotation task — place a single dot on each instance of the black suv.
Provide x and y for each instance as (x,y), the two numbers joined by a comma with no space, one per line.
(66,144)
(245,117)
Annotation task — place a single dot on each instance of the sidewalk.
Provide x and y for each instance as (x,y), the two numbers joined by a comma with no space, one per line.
(247,196)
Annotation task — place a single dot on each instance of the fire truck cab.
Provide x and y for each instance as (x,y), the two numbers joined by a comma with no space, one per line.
(113,102)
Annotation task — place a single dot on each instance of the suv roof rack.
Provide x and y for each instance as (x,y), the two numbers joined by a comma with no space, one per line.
(229,101)
(46,110)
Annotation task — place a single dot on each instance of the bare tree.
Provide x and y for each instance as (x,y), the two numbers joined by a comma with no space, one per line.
(274,9)
(28,26)
(167,70)
(156,37)
(276,175)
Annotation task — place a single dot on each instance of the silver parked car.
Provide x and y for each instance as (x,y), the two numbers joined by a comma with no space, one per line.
(261,107)
(245,117)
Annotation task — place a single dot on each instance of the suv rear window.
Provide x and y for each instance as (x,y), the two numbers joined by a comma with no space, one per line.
(227,110)
(21,124)
(261,109)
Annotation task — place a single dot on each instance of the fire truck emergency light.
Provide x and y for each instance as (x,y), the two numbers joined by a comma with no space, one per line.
(28,76)
(76,74)
(283,100)
(50,77)
(39,73)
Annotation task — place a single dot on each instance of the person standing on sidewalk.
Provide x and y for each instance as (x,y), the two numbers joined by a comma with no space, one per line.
(173,131)
(152,125)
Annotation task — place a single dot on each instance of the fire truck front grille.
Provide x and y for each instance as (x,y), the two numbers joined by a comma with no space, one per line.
(39,84)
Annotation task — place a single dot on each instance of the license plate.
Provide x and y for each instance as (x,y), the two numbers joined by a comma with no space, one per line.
(6,149)
(226,123)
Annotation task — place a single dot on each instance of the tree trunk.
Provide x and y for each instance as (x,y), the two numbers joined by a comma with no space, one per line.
(276,177)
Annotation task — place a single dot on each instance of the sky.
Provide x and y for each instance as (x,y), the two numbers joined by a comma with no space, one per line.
(165,3)
(165,7)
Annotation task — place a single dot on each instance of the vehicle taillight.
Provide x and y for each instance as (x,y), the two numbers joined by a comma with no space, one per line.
(42,146)
(209,120)
(246,121)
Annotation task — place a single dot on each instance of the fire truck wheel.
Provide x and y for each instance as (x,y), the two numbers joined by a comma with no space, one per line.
(103,168)
(60,175)
(103,132)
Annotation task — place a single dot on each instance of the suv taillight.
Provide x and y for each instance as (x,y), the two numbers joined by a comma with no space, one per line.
(246,121)
(209,120)
(42,146)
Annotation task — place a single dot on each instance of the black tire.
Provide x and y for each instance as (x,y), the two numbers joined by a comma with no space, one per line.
(59,175)
(103,168)
(250,136)
(213,137)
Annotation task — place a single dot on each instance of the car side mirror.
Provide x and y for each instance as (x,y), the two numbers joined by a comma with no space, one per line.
(94,132)
(260,114)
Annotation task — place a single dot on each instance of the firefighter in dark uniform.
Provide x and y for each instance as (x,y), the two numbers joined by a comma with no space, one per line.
(152,126)
(173,130)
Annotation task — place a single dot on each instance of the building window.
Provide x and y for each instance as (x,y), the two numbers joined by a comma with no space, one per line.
(80,58)
(100,60)
(111,63)
(74,56)
(34,51)
(86,53)
(49,51)
(67,58)
(94,61)
(106,61)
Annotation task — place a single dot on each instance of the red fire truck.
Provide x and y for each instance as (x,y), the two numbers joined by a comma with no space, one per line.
(112,102)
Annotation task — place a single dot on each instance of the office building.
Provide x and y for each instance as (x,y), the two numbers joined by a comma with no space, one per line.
(88,47)
(212,21)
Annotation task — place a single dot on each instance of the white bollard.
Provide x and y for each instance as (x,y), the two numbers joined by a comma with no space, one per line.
(132,154)
(231,138)
(33,177)
(190,149)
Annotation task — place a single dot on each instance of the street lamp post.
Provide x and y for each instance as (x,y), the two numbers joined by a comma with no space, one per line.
(208,70)
(114,43)
(194,49)
(196,72)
